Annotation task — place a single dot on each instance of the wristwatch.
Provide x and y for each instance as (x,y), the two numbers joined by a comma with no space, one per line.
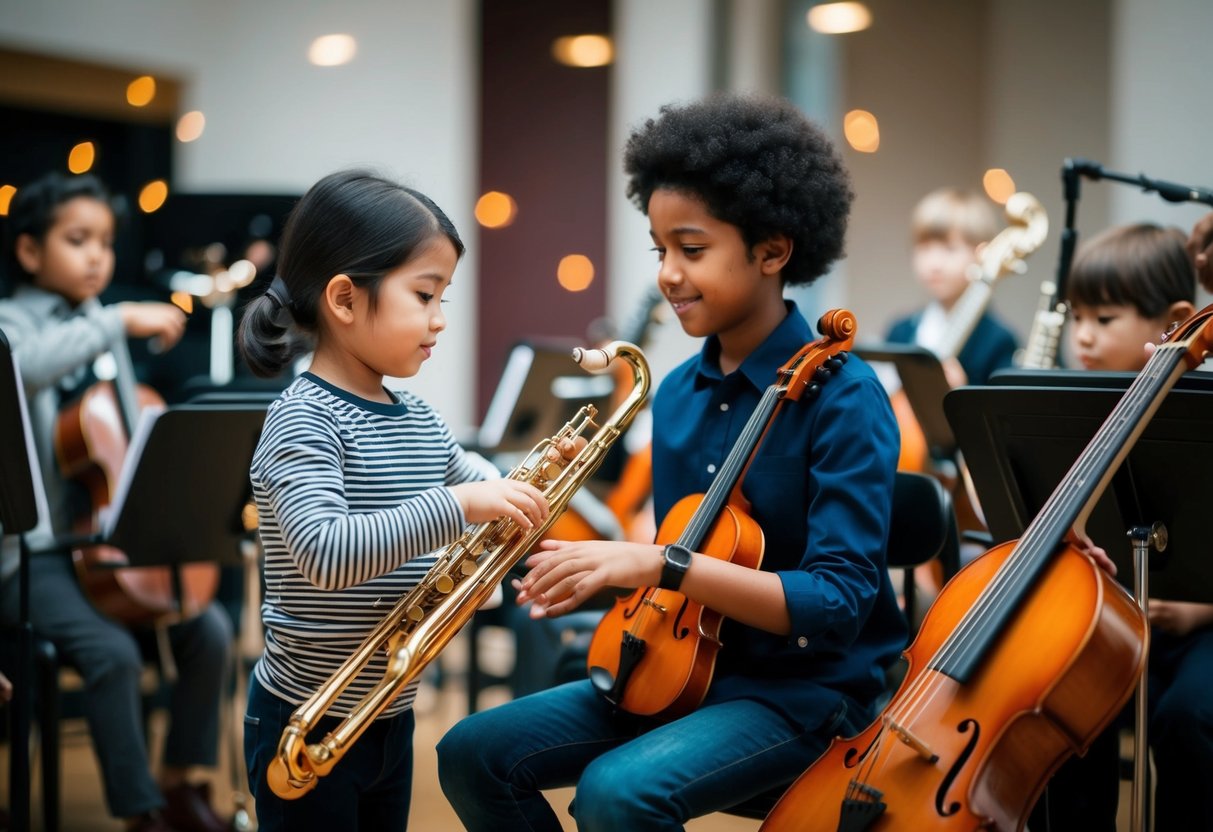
(677,561)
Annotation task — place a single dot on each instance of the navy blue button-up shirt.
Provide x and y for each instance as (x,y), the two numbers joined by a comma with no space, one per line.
(821,488)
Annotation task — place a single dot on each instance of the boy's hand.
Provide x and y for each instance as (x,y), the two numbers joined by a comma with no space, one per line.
(519,501)
(1180,617)
(1200,249)
(149,319)
(564,574)
(1087,546)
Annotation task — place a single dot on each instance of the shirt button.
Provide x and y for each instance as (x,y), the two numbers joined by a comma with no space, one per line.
(711,469)
(724,406)
(803,641)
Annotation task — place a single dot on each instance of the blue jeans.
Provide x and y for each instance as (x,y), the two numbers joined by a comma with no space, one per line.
(630,774)
(368,789)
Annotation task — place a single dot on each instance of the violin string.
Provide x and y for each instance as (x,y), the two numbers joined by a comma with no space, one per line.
(1026,552)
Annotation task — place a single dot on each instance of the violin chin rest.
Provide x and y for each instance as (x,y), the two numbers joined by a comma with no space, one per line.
(602,680)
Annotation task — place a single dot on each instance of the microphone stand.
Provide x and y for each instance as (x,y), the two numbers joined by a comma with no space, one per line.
(1072,169)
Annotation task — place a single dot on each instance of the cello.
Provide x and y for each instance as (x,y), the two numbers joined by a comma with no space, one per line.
(1026,655)
(91,441)
(654,652)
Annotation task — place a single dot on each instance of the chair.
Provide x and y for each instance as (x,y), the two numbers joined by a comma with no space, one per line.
(922,527)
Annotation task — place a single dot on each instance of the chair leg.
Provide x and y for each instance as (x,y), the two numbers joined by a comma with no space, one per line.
(47,661)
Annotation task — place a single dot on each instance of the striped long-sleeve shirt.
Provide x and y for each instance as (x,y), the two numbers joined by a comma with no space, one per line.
(351,498)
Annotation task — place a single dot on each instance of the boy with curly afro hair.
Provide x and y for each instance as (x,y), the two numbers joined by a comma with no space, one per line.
(743,196)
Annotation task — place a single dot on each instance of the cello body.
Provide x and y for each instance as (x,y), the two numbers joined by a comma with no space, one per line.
(1059,674)
(683,636)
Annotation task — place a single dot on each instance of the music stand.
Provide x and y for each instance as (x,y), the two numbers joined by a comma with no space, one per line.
(1020,442)
(925,385)
(540,389)
(183,498)
(21,497)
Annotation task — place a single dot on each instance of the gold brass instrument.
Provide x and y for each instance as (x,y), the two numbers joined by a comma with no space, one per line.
(424,621)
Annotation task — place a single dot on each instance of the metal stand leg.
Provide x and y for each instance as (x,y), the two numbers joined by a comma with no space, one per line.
(242,821)
(1144,538)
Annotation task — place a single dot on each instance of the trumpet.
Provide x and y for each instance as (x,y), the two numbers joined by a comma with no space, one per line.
(425,620)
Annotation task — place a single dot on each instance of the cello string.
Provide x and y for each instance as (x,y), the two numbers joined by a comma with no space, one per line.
(1029,549)
(1024,556)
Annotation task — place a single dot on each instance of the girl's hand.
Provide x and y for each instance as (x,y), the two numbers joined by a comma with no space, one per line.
(1180,617)
(148,319)
(566,573)
(519,501)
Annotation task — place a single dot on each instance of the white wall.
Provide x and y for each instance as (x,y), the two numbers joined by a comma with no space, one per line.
(1161,118)
(406,105)
(663,55)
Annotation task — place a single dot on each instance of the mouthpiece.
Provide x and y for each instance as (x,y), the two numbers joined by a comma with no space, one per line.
(591,360)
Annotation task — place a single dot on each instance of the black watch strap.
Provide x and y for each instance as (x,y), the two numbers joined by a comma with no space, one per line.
(677,561)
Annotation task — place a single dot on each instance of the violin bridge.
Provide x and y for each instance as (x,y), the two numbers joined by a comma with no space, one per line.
(649,602)
(907,736)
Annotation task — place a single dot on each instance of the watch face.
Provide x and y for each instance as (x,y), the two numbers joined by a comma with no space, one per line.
(678,556)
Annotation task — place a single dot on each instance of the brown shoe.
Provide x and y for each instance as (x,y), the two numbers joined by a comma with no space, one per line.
(187,808)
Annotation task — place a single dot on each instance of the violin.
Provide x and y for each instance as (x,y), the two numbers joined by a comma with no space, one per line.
(654,652)
(91,441)
(1026,655)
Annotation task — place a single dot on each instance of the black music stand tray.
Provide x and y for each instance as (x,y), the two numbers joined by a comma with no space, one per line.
(925,385)
(187,487)
(20,490)
(1020,442)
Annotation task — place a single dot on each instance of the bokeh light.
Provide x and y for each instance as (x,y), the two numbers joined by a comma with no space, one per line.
(583,50)
(862,131)
(141,91)
(190,126)
(496,209)
(839,18)
(81,157)
(998,184)
(575,272)
(332,50)
(153,195)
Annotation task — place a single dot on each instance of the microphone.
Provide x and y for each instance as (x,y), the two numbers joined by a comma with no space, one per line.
(1170,191)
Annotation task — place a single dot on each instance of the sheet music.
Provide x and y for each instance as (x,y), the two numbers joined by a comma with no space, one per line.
(143,430)
(31,453)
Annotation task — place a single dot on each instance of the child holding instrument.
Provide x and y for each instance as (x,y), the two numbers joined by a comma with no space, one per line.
(59,252)
(744,197)
(949,227)
(353,483)
(1126,287)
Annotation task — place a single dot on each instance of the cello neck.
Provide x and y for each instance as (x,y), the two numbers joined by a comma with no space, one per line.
(124,385)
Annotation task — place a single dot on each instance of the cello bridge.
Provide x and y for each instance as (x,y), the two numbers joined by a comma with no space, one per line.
(907,736)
